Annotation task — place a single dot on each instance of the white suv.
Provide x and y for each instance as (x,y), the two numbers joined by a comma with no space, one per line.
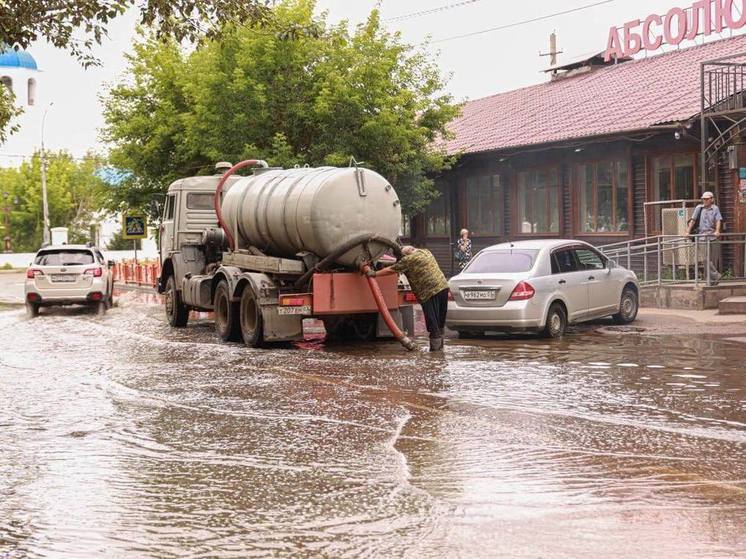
(69,275)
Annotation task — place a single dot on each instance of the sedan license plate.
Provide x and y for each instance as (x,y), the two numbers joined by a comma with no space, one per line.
(63,277)
(479,294)
(304,309)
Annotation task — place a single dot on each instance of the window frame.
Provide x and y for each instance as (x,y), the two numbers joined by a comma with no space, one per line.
(650,179)
(444,188)
(516,203)
(497,183)
(576,191)
(169,208)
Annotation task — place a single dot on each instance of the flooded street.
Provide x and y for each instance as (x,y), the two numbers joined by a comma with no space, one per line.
(122,437)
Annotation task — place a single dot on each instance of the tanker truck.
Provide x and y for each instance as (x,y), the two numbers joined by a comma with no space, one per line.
(269,249)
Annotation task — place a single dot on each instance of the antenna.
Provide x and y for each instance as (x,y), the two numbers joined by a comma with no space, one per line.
(553,52)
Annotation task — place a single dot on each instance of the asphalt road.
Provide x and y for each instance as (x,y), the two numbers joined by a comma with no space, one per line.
(122,437)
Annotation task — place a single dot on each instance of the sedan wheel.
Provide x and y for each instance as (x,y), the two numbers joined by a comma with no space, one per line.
(628,307)
(556,322)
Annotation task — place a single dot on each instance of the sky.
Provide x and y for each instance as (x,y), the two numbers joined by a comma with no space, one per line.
(477,66)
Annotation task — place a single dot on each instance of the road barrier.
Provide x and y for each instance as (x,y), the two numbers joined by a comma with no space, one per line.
(142,273)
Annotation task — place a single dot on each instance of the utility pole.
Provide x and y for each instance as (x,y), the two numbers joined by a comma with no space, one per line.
(45,205)
(553,52)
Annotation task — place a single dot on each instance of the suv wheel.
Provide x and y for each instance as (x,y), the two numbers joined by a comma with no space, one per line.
(628,307)
(32,310)
(227,323)
(177,312)
(556,322)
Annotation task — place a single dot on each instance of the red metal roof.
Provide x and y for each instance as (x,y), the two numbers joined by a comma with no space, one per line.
(614,99)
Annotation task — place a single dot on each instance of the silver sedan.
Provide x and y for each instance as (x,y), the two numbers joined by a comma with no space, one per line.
(541,285)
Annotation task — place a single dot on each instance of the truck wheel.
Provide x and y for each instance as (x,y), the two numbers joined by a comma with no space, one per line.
(365,328)
(177,312)
(252,323)
(226,314)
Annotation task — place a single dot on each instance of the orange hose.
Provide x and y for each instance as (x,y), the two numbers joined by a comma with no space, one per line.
(218,201)
(375,289)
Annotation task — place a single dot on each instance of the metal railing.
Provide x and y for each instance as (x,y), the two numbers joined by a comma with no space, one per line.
(675,259)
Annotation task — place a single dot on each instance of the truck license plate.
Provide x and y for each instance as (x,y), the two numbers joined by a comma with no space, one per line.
(479,294)
(304,309)
(63,277)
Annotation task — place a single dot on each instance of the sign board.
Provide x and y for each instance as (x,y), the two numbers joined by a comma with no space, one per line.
(134,227)
(703,17)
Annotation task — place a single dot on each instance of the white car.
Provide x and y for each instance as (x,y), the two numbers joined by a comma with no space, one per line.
(69,275)
(541,285)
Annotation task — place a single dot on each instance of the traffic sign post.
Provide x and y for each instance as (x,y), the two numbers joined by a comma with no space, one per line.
(134,227)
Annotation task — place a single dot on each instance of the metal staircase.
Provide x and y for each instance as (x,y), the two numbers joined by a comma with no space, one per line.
(723,109)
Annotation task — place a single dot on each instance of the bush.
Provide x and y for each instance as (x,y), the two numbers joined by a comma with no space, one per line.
(7,266)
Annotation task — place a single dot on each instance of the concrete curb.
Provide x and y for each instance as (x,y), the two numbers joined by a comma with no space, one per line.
(133,287)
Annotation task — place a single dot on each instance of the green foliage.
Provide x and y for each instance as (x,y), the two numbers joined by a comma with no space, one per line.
(317,95)
(7,266)
(8,111)
(118,242)
(77,25)
(74,192)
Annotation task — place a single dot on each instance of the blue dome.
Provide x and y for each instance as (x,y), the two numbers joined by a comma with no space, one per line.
(10,58)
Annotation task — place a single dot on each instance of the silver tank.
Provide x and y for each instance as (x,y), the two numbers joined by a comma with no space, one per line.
(284,212)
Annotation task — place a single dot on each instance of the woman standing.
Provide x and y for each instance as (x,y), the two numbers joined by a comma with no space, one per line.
(463,249)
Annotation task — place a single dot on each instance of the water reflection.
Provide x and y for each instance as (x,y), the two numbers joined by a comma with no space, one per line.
(123,437)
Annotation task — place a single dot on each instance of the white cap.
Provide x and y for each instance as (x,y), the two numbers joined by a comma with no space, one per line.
(707,194)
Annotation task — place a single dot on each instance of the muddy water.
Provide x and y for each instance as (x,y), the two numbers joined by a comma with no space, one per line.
(122,438)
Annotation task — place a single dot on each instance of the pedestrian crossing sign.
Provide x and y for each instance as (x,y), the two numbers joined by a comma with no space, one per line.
(134,227)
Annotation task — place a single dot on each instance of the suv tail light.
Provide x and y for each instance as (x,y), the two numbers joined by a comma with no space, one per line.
(31,273)
(522,291)
(450,295)
(95,272)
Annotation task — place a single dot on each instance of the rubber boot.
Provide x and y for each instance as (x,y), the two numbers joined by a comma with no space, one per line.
(436,344)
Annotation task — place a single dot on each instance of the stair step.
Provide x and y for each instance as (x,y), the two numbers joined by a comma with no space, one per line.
(733,305)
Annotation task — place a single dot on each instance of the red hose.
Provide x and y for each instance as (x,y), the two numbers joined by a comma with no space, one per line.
(375,289)
(219,191)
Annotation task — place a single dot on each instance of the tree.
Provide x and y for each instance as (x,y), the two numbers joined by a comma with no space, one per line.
(75,194)
(8,111)
(78,25)
(118,242)
(320,97)
(60,22)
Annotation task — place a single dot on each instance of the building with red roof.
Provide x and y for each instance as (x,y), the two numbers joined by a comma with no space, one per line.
(585,154)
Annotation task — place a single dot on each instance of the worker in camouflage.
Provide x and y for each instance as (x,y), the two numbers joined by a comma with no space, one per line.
(429,286)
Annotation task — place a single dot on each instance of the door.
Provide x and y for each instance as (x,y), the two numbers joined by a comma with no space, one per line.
(603,295)
(571,282)
(166,238)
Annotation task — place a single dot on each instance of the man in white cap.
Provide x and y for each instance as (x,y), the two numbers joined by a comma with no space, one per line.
(708,221)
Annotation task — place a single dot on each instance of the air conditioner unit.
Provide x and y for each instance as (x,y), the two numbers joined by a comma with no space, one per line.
(681,251)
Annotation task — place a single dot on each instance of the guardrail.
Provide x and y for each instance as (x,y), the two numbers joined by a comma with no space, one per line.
(142,274)
(679,259)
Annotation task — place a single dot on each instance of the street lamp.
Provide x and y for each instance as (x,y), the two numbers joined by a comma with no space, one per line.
(45,205)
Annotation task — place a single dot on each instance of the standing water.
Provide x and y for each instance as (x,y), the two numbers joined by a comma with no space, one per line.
(121,437)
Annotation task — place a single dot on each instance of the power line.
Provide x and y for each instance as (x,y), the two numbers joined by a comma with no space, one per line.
(524,22)
(421,13)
